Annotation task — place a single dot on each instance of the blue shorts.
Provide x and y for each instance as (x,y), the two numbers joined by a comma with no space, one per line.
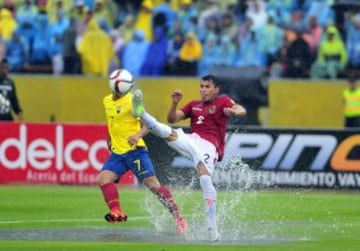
(138,161)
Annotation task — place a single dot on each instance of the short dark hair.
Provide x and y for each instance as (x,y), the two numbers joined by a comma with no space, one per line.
(210,78)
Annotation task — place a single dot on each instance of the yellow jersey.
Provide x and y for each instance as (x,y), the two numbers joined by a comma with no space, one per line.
(121,123)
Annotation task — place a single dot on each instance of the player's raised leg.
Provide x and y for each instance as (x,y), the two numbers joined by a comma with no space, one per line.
(137,102)
(158,129)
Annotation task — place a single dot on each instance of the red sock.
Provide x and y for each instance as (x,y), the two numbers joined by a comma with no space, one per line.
(111,196)
(166,198)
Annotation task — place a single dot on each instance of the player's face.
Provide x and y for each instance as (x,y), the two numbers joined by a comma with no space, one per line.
(208,90)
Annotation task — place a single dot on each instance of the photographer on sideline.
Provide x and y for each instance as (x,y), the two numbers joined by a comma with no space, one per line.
(8,98)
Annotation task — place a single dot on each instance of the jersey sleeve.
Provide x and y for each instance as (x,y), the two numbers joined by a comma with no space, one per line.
(187,109)
(228,102)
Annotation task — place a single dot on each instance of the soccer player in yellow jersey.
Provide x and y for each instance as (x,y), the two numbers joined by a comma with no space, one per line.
(129,152)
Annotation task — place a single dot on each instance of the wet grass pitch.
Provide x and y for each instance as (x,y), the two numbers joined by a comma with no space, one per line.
(71,218)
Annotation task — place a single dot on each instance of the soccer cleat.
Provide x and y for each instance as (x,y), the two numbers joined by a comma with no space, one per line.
(137,102)
(181,225)
(115,216)
(214,234)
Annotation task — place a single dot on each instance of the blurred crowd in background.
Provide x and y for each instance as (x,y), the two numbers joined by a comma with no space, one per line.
(288,38)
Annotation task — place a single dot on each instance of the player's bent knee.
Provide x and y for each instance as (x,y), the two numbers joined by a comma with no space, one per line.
(202,169)
(105,177)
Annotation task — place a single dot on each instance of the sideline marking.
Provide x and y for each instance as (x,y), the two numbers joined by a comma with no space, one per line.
(136,218)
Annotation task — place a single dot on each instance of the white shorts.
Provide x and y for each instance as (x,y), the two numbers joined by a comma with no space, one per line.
(195,148)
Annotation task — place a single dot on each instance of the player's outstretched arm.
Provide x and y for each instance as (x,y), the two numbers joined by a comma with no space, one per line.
(235,111)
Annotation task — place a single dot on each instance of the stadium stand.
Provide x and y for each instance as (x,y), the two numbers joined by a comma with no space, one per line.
(35,33)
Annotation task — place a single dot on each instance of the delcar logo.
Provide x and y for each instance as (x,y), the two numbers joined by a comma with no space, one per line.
(51,150)
(284,151)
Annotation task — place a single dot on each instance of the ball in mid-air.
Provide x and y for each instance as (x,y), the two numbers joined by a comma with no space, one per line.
(121,81)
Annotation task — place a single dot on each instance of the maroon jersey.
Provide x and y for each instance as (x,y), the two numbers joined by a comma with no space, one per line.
(208,120)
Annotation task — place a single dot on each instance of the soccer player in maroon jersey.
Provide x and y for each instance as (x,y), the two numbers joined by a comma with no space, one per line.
(205,143)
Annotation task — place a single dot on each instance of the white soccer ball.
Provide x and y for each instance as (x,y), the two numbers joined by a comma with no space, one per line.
(121,81)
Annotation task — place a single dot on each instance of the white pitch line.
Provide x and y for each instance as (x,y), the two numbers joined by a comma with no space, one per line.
(3,222)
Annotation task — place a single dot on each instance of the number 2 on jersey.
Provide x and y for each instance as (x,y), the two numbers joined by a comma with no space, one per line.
(200,120)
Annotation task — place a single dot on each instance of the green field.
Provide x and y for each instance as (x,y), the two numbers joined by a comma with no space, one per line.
(71,218)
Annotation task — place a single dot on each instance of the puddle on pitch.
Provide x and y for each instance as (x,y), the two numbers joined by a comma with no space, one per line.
(234,226)
(136,235)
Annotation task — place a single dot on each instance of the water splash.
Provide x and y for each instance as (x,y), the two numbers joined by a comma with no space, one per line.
(160,217)
(241,183)
(236,178)
(239,187)
(236,174)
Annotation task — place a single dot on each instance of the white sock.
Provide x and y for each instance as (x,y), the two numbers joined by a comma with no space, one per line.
(159,129)
(209,193)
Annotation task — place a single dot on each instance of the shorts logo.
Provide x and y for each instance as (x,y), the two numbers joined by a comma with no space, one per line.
(118,109)
(212,109)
